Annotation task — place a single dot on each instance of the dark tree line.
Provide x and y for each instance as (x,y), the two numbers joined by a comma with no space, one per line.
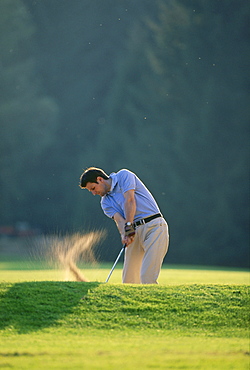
(159,87)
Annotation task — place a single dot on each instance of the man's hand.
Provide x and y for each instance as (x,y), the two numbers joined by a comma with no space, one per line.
(129,229)
(121,224)
(127,240)
(129,233)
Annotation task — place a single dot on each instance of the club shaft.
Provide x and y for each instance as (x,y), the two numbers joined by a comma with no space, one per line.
(117,259)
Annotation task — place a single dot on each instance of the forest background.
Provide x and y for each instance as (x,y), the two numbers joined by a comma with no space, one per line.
(158,87)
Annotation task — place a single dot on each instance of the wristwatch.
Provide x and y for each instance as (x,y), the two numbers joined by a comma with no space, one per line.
(128,223)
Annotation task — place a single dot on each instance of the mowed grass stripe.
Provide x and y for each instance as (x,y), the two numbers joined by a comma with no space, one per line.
(31,306)
(168,276)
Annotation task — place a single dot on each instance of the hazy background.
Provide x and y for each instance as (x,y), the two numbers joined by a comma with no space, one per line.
(158,87)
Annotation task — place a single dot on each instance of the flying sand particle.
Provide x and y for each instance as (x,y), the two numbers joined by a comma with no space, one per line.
(65,252)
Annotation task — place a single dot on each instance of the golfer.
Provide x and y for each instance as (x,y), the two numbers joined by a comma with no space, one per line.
(126,200)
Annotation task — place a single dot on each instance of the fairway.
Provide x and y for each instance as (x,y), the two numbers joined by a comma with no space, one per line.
(194,319)
(14,271)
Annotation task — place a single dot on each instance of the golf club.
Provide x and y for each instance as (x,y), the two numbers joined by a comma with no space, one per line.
(117,259)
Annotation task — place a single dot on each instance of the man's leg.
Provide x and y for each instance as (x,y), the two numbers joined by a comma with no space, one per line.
(132,263)
(156,240)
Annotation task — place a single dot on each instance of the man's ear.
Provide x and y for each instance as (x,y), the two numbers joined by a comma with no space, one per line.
(99,179)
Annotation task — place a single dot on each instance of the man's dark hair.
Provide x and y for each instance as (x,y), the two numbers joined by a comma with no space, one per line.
(90,175)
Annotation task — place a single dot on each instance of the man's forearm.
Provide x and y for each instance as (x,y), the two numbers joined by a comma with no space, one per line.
(129,206)
(120,223)
(129,214)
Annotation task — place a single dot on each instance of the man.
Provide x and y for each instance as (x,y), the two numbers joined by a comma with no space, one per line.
(126,200)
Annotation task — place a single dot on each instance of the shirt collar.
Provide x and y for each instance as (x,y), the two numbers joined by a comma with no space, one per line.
(113,176)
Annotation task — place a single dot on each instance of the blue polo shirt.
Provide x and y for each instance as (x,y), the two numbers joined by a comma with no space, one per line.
(123,181)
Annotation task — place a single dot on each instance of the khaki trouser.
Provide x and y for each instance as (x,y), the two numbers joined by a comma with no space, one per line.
(144,257)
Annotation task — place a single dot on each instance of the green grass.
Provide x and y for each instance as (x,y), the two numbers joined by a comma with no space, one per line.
(15,271)
(195,319)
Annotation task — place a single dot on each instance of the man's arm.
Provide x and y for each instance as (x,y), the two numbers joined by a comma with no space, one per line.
(129,209)
(120,223)
(129,205)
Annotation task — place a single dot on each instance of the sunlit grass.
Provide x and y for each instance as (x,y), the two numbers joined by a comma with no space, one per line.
(129,351)
(196,318)
(170,275)
(72,325)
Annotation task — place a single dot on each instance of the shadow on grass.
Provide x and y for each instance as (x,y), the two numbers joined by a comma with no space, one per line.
(32,306)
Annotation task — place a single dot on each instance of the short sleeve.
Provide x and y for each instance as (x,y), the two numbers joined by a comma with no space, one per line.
(108,209)
(126,180)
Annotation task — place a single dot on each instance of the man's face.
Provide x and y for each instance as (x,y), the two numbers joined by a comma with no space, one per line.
(100,188)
